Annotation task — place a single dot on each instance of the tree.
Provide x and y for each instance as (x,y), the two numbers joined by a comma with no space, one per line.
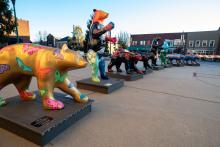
(123,39)
(15,17)
(76,42)
(7,23)
(78,37)
(70,43)
(39,37)
(78,34)
(87,37)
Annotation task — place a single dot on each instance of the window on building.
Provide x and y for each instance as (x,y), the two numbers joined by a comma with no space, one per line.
(197,43)
(171,43)
(142,42)
(204,43)
(177,42)
(134,43)
(191,42)
(212,43)
(148,42)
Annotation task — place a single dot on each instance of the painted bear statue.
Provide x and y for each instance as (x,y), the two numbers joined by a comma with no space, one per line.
(20,62)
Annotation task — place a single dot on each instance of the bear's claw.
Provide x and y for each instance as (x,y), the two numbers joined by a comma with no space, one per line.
(26,96)
(83,98)
(52,104)
(95,79)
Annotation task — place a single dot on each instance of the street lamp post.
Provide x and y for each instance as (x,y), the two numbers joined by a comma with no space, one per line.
(16,27)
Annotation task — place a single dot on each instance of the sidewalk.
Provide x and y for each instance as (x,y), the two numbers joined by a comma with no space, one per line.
(167,108)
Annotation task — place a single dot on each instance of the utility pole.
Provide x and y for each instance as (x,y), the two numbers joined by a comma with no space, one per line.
(184,42)
(16,27)
(110,42)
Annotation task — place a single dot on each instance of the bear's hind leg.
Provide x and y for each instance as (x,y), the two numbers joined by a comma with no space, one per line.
(22,85)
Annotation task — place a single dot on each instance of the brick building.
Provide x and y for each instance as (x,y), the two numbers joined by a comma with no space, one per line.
(143,41)
(203,42)
(23,32)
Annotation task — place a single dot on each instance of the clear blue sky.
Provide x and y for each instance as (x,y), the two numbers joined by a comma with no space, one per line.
(134,16)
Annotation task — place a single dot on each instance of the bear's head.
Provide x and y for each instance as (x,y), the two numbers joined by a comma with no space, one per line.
(99,16)
(73,58)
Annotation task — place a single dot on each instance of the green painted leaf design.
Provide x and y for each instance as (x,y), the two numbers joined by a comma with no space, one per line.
(62,78)
(59,77)
(43,92)
(26,68)
(22,65)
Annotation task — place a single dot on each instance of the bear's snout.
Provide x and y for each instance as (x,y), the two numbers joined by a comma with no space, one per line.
(82,61)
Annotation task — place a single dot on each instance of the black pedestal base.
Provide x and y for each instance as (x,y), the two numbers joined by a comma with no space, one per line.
(159,67)
(123,75)
(167,65)
(148,71)
(177,65)
(192,64)
(29,120)
(105,86)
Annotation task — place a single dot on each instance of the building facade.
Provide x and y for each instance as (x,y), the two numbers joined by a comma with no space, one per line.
(204,42)
(51,40)
(218,49)
(143,41)
(23,31)
(62,41)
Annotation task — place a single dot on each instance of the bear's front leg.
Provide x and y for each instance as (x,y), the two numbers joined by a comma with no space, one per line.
(2,101)
(46,88)
(69,88)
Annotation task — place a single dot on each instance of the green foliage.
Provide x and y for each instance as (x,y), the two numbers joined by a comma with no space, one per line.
(70,43)
(86,41)
(7,24)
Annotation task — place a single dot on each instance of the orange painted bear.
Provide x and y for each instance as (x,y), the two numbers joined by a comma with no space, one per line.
(19,62)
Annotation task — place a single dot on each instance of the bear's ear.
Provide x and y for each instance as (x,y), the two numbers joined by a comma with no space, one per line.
(64,47)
